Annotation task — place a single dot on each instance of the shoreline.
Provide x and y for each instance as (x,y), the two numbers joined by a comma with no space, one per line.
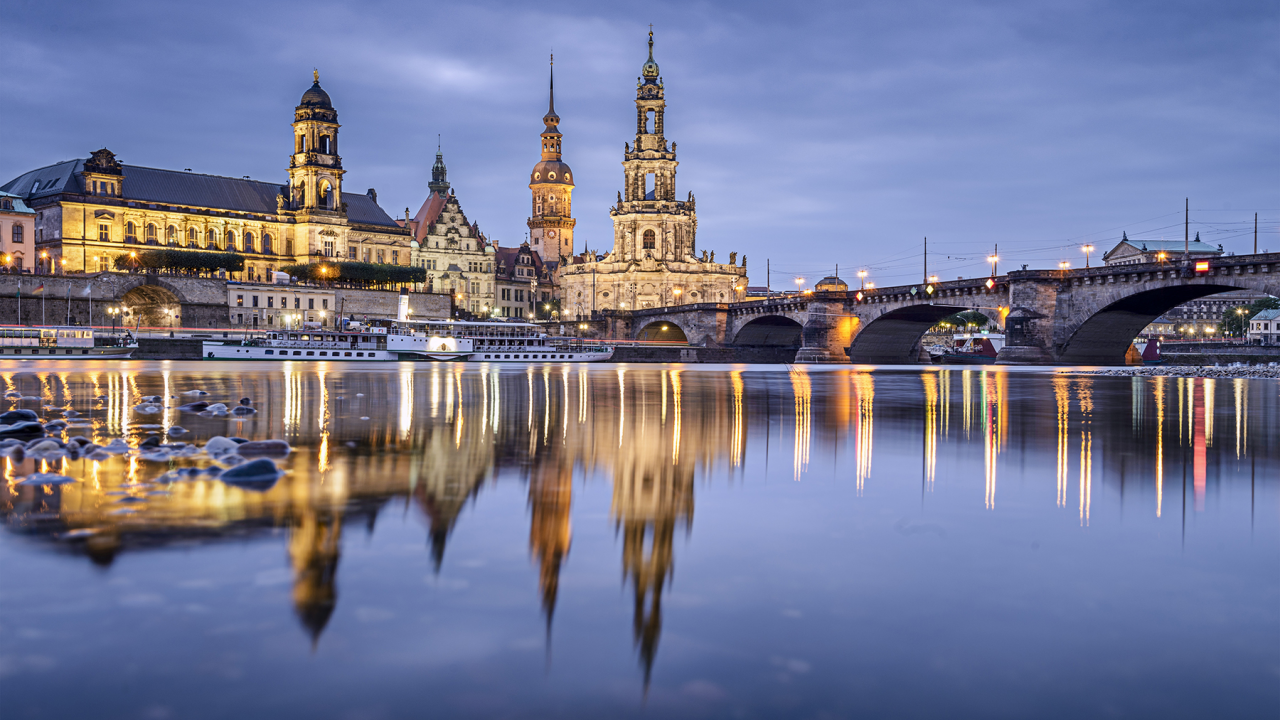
(1251,372)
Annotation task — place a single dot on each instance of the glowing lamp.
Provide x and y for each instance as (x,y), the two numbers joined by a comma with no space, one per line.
(990,283)
(1202,266)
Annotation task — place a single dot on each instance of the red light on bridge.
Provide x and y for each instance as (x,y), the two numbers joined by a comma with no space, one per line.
(1202,266)
(859,296)
(990,283)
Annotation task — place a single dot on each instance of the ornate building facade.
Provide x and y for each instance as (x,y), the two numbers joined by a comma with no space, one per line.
(655,260)
(459,260)
(551,224)
(88,211)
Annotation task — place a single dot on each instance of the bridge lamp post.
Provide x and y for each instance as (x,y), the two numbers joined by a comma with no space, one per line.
(1064,265)
(799,284)
(1162,256)
(1087,249)
(862,275)
(993,259)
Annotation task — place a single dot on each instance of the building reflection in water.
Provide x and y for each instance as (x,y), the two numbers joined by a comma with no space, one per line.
(433,437)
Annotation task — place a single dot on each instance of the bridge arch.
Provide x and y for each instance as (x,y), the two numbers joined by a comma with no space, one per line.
(662,331)
(1104,335)
(894,337)
(770,330)
(155,303)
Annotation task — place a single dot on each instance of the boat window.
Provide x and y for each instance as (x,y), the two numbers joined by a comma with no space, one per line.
(346,354)
(271,352)
(359,354)
(297,352)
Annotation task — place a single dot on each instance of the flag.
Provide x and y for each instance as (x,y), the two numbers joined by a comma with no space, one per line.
(88,290)
(38,290)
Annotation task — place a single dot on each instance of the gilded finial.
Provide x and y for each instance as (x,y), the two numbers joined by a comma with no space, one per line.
(315,75)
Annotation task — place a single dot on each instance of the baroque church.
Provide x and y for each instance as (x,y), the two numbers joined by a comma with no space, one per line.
(654,261)
(89,211)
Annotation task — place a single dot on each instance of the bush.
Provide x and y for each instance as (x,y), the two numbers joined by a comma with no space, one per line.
(171,260)
(358,273)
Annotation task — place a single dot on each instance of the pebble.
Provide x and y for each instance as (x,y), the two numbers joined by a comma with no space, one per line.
(177,430)
(265,448)
(218,446)
(1205,371)
(16,416)
(259,475)
(22,430)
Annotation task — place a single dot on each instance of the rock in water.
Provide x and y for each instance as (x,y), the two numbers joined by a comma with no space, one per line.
(17,416)
(258,475)
(46,479)
(246,401)
(243,411)
(194,407)
(26,430)
(177,430)
(117,447)
(219,446)
(265,448)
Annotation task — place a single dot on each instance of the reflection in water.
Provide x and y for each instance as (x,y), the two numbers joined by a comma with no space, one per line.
(376,439)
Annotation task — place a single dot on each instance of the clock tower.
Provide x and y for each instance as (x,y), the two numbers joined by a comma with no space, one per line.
(551,224)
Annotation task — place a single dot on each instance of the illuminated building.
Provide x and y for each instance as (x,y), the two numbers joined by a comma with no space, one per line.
(90,211)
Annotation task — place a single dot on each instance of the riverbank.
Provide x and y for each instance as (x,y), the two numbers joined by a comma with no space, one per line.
(1257,372)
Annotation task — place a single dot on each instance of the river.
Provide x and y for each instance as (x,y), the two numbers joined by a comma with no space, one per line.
(647,541)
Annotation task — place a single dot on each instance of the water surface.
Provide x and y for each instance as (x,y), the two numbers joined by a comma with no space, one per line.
(650,541)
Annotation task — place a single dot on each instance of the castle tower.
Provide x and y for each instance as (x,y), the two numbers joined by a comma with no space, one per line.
(315,168)
(551,224)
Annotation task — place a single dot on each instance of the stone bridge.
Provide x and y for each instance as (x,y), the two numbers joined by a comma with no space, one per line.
(193,301)
(1082,316)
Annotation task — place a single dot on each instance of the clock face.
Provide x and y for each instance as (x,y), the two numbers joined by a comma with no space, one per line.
(551,234)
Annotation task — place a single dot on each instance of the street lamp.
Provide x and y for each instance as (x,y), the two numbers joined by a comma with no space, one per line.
(993,259)
(799,283)
(1087,249)
(1162,256)
(1064,265)
(862,275)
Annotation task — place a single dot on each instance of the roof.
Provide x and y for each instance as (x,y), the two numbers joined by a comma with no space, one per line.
(1173,247)
(18,206)
(428,214)
(1268,315)
(173,187)
(506,264)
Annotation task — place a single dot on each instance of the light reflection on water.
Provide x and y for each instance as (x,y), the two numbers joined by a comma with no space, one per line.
(435,446)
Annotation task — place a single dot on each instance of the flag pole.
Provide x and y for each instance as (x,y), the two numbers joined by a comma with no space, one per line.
(19,300)
(68,303)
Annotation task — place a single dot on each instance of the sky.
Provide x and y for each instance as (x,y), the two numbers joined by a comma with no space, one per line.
(814,135)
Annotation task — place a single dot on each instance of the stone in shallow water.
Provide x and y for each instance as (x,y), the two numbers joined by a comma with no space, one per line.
(16,416)
(117,447)
(22,431)
(195,392)
(241,411)
(177,430)
(258,475)
(265,448)
(218,446)
(194,407)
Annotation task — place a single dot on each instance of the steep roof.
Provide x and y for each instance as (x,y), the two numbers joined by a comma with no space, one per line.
(506,258)
(173,187)
(428,214)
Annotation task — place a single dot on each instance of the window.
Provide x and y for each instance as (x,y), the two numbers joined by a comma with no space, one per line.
(248,242)
(271,301)
(519,296)
(104,264)
(255,300)
(311,303)
(211,240)
(6,204)
(297,303)
(324,304)
(130,232)
(382,256)
(288,246)
(171,235)
(266,243)
(151,233)
(193,237)
(239,301)
(324,144)
(17,233)
(284,301)
(104,232)
(395,257)
(650,240)
(351,253)
(364,255)
(328,248)
(231,240)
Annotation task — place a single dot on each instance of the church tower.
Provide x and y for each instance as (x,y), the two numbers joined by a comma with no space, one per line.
(315,168)
(551,224)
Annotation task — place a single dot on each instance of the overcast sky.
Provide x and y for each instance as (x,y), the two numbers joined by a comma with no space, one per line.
(813,134)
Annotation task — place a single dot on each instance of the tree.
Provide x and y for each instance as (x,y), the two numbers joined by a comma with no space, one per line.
(962,320)
(180,261)
(358,274)
(1235,321)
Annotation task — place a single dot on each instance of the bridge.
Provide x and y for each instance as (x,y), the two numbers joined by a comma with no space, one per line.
(1086,316)
(153,299)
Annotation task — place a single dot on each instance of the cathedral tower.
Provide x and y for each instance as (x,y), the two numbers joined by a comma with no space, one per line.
(551,225)
(315,168)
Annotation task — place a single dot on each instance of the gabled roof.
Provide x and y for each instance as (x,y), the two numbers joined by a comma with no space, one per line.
(18,206)
(506,264)
(428,214)
(1268,315)
(173,187)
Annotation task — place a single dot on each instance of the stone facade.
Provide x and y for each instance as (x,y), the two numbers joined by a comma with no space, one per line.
(258,305)
(459,260)
(524,283)
(90,211)
(551,182)
(654,262)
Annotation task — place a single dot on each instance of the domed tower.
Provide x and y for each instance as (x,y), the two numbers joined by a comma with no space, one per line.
(551,225)
(315,168)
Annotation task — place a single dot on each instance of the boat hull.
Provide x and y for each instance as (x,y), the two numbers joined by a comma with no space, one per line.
(71,353)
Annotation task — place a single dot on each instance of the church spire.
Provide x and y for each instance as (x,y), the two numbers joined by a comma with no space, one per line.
(551,119)
(439,174)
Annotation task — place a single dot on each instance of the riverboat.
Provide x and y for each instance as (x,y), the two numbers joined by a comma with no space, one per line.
(973,350)
(61,342)
(435,341)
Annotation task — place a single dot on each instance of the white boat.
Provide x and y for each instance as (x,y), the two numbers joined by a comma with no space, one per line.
(63,342)
(431,340)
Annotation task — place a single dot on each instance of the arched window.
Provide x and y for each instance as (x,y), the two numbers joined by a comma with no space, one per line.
(324,195)
(650,240)
(193,237)
(248,242)
(171,235)
(211,241)
(151,233)
(302,143)
(130,232)
(231,240)
(266,243)
(324,144)
(17,233)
